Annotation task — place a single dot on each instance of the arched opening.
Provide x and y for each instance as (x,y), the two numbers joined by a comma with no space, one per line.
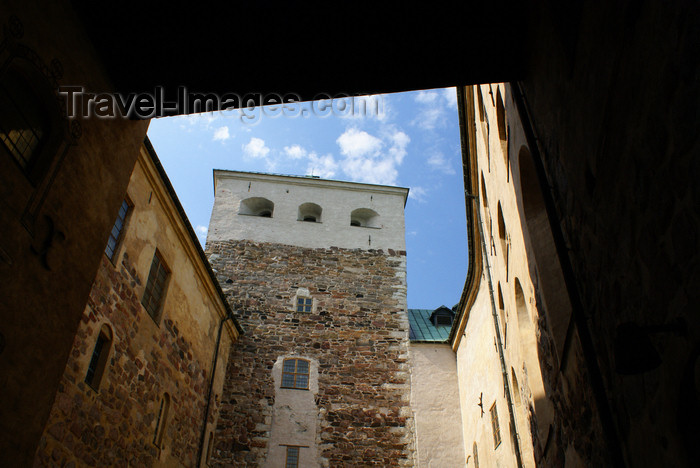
(309,212)
(480,103)
(502,312)
(257,206)
(100,355)
(528,352)
(550,280)
(364,217)
(501,117)
(502,232)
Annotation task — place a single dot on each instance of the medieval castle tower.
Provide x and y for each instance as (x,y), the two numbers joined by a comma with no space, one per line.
(316,272)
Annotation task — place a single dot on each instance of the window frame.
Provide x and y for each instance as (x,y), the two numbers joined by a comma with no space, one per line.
(495,426)
(296,373)
(162,420)
(157,311)
(304,304)
(100,355)
(298,456)
(121,233)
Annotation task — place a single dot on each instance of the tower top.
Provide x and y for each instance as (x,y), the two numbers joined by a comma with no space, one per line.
(306,211)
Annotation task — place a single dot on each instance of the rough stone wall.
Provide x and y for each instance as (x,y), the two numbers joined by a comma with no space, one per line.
(614,95)
(115,425)
(358,333)
(555,411)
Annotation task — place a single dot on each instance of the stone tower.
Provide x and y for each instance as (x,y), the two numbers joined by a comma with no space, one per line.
(316,270)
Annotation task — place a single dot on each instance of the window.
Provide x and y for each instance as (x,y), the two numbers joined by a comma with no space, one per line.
(494,425)
(364,217)
(295,374)
(292,460)
(155,287)
(115,234)
(476,456)
(98,362)
(256,206)
(161,420)
(310,212)
(442,317)
(23,125)
(304,304)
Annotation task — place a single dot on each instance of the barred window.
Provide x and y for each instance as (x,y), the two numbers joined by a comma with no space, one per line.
(98,362)
(155,287)
(295,374)
(292,457)
(116,233)
(304,304)
(495,426)
(23,126)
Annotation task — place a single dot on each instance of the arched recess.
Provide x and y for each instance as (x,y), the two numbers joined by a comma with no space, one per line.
(501,117)
(257,206)
(310,212)
(550,280)
(502,230)
(485,202)
(502,312)
(528,352)
(364,217)
(516,388)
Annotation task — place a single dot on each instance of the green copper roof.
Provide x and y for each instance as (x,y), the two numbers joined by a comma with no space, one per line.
(422,329)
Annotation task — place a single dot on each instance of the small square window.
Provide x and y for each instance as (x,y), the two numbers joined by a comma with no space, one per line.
(304,304)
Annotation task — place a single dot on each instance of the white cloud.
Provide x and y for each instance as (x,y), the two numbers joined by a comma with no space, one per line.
(294,151)
(438,162)
(201,233)
(426,97)
(450,95)
(323,166)
(364,159)
(358,143)
(417,193)
(222,134)
(256,148)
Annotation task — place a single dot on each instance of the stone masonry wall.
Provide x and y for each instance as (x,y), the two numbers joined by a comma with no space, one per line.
(115,425)
(357,332)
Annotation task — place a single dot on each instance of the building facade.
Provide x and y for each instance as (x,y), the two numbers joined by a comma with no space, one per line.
(140,377)
(316,271)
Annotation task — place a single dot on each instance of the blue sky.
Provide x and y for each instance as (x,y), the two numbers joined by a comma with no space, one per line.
(405,139)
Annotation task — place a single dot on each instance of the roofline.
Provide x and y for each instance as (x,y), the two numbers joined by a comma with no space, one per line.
(176,201)
(311,181)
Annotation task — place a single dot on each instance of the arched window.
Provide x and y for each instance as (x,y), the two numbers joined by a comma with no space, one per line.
(256,206)
(295,374)
(310,212)
(364,217)
(502,232)
(516,388)
(502,312)
(501,117)
(529,354)
(98,361)
(548,271)
(161,420)
(475,451)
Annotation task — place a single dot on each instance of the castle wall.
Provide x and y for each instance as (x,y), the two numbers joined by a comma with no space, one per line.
(356,334)
(555,413)
(435,402)
(113,420)
(336,199)
(54,222)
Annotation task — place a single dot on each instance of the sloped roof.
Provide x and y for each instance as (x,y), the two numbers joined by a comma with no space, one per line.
(422,329)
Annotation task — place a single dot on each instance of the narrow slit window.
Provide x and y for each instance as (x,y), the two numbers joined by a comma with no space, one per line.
(117,230)
(98,361)
(161,420)
(295,374)
(495,426)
